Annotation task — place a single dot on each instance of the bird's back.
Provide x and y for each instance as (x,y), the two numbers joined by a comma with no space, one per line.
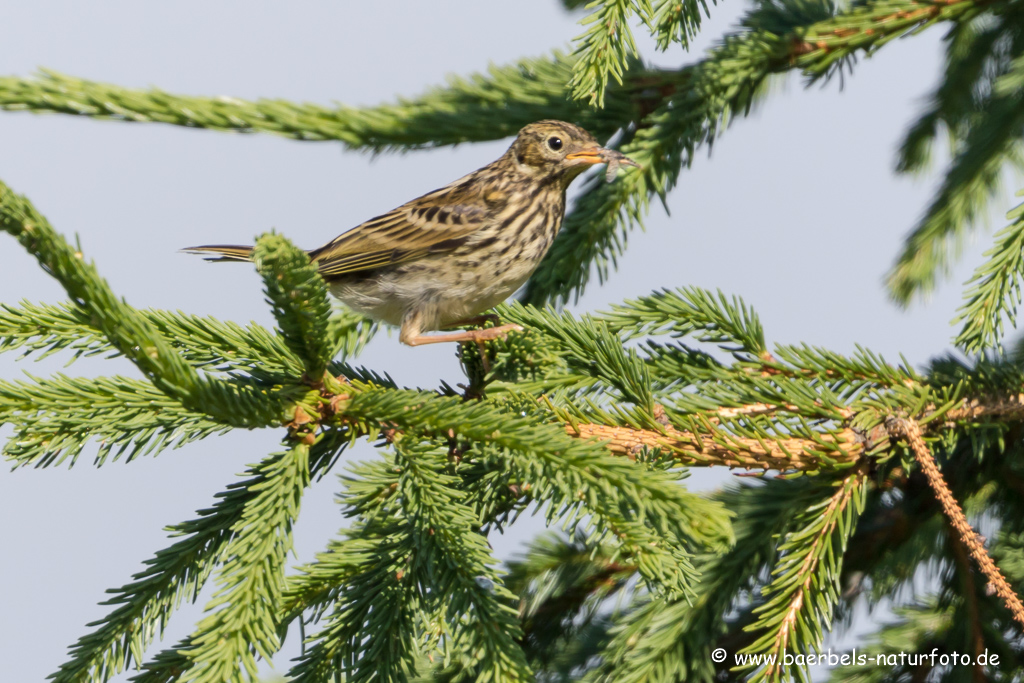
(494,229)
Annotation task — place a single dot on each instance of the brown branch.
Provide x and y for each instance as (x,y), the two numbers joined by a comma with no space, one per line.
(911,431)
(787,453)
(728,450)
(1005,408)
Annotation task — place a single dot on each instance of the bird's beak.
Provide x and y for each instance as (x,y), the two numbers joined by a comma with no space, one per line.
(600,155)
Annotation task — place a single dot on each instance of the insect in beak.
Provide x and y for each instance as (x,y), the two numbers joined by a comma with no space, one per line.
(600,155)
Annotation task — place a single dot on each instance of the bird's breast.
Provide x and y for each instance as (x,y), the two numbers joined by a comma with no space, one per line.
(511,246)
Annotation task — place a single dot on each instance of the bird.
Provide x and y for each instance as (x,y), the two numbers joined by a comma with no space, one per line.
(439,261)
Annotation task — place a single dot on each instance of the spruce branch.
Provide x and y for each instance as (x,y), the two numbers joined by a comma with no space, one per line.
(173,575)
(132,336)
(373,599)
(969,48)
(130,333)
(166,666)
(561,583)
(974,177)
(474,108)
(569,476)
(848,375)
(829,450)
(968,595)
(805,582)
(589,348)
(350,332)
(317,584)
(470,593)
(667,640)
(243,616)
(993,292)
(309,594)
(298,297)
(46,330)
(203,341)
(757,412)
(54,419)
(604,49)
(677,22)
(692,311)
(416,558)
(911,431)
(703,450)
(979,102)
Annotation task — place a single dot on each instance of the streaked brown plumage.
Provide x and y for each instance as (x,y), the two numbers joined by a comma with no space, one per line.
(444,258)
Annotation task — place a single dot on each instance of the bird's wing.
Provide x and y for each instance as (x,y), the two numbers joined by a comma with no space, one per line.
(436,222)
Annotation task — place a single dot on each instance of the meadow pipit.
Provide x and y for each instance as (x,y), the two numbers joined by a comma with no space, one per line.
(444,258)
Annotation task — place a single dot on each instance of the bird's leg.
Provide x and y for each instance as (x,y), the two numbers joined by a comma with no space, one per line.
(477,336)
(418,318)
(490,333)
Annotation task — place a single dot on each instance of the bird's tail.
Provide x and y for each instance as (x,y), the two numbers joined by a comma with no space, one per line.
(222,252)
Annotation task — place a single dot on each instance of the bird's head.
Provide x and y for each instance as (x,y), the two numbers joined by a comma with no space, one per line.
(556,149)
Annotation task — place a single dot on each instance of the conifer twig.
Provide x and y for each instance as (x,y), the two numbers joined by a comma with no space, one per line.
(734,451)
(797,578)
(911,431)
(131,333)
(843,447)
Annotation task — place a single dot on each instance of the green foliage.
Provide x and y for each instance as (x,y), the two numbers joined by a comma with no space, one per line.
(993,292)
(298,297)
(663,640)
(730,324)
(212,344)
(562,584)
(649,521)
(573,480)
(242,618)
(128,331)
(462,111)
(604,49)
(916,627)
(175,574)
(803,592)
(55,418)
(647,579)
(419,558)
(676,22)
(980,102)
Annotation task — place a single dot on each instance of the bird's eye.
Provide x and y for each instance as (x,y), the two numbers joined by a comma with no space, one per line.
(555,143)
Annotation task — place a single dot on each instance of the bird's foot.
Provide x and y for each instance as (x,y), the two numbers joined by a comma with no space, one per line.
(487,335)
(492,333)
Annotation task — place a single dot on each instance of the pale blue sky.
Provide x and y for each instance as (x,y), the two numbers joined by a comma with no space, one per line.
(797,211)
